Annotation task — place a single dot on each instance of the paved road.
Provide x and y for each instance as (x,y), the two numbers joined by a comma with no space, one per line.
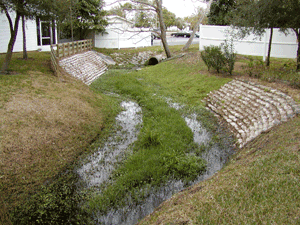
(175,41)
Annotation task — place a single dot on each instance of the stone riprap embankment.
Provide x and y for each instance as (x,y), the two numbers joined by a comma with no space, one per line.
(250,109)
(138,58)
(86,66)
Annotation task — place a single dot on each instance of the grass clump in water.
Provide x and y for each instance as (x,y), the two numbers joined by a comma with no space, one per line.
(159,154)
(163,148)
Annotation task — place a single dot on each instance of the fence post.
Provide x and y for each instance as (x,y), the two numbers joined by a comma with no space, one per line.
(77,50)
(73,49)
(63,49)
(57,50)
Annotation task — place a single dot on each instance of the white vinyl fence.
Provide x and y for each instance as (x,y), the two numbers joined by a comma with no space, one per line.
(114,38)
(283,46)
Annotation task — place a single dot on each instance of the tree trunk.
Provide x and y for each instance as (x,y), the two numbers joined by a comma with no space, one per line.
(297,31)
(188,44)
(162,28)
(269,48)
(11,44)
(25,56)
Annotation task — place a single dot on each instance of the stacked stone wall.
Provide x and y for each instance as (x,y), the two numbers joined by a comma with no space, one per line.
(86,66)
(250,109)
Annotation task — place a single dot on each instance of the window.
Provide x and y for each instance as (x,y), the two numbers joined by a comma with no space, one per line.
(45,32)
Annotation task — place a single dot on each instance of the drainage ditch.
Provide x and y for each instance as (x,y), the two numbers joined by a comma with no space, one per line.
(97,168)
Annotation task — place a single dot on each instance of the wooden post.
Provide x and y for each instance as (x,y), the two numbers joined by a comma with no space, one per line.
(69,48)
(63,50)
(73,50)
(57,51)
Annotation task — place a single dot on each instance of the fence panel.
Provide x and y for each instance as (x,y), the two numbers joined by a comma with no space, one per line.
(283,46)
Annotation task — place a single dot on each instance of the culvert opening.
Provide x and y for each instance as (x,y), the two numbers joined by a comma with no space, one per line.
(153,61)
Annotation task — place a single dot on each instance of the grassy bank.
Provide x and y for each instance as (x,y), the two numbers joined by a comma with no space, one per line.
(46,123)
(260,185)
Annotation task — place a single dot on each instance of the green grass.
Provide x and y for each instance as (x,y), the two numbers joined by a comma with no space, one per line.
(267,188)
(259,185)
(37,61)
(183,83)
(283,70)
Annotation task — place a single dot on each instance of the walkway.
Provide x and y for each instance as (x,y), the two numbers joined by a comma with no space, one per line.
(251,109)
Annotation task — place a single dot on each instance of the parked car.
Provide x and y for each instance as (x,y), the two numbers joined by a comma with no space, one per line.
(184,34)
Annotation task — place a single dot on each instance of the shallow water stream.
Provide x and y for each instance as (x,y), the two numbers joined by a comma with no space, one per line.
(99,166)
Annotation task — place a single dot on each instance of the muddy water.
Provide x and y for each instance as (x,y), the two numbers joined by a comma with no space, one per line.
(215,156)
(100,165)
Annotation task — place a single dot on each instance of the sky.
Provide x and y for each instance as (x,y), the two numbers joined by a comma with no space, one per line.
(181,8)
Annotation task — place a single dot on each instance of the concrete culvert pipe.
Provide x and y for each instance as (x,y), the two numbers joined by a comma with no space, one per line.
(155,60)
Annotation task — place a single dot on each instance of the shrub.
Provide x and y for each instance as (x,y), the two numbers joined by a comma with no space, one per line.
(220,58)
(229,55)
(255,67)
(56,203)
(213,57)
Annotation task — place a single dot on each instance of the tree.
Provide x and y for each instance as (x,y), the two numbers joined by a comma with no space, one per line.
(6,7)
(26,9)
(255,16)
(145,18)
(180,23)
(25,56)
(193,19)
(290,18)
(156,6)
(121,10)
(200,19)
(169,18)
(142,19)
(159,10)
(220,11)
(88,15)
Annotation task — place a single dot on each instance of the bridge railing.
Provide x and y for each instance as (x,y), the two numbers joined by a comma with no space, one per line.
(62,50)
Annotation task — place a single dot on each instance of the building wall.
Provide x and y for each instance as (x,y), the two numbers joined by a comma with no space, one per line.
(120,34)
(282,46)
(31,35)
(115,38)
